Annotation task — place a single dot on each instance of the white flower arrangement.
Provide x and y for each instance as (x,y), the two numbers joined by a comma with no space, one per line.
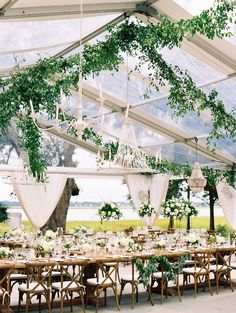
(160,244)
(146,209)
(178,208)
(50,235)
(220,240)
(192,239)
(80,229)
(5,252)
(45,246)
(108,211)
(17,232)
(85,244)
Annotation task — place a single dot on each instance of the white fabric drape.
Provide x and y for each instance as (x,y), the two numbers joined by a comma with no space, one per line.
(138,186)
(227,198)
(39,200)
(141,187)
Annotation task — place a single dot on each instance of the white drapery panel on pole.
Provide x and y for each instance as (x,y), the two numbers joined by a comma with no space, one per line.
(39,200)
(227,198)
(148,187)
(158,190)
(138,186)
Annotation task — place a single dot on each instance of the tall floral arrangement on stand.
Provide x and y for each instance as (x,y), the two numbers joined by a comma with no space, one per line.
(146,211)
(109,211)
(177,208)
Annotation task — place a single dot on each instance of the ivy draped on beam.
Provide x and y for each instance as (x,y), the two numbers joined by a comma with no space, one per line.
(214,176)
(43,82)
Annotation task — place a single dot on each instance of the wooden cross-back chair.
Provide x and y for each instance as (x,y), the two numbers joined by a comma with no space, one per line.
(37,284)
(222,268)
(133,280)
(200,271)
(105,277)
(5,285)
(159,278)
(70,282)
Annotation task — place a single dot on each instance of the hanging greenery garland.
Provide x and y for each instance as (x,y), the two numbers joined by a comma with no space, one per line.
(43,82)
(155,263)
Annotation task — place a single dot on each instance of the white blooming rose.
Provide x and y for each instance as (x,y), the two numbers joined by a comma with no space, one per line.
(5,252)
(220,239)
(50,235)
(46,246)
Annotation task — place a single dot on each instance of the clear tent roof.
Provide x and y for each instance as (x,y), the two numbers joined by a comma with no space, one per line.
(42,28)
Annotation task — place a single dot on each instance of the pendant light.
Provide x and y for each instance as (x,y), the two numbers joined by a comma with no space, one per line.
(197,181)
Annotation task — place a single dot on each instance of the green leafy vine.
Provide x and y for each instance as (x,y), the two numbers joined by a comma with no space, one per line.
(155,264)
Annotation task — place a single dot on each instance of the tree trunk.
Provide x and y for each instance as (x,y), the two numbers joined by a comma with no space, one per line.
(188,217)
(58,217)
(188,223)
(171,223)
(212,217)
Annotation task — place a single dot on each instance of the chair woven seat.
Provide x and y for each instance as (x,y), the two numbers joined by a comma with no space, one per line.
(192,270)
(214,268)
(233,265)
(98,281)
(31,286)
(66,285)
(129,278)
(18,276)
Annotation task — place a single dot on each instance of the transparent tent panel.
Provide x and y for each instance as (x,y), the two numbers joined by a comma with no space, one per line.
(199,71)
(178,153)
(226,92)
(27,58)
(225,146)
(113,124)
(31,34)
(191,123)
(115,84)
(195,7)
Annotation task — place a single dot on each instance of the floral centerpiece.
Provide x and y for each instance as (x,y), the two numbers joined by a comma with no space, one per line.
(5,252)
(45,247)
(17,232)
(159,244)
(86,245)
(192,239)
(178,208)
(190,209)
(50,235)
(146,209)
(108,211)
(220,240)
(80,229)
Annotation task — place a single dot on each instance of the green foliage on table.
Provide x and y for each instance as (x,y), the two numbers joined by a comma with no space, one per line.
(43,82)
(3,212)
(223,230)
(155,264)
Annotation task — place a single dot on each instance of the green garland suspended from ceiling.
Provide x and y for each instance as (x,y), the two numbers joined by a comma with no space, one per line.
(43,82)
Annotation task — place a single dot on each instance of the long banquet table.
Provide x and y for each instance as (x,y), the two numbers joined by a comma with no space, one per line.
(124,257)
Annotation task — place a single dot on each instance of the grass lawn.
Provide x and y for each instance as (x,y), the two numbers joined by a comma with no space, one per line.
(196,222)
